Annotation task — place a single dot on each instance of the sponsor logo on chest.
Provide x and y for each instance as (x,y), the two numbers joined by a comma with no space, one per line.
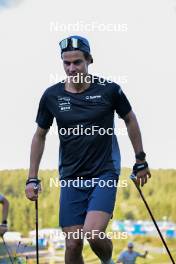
(64,103)
(93,97)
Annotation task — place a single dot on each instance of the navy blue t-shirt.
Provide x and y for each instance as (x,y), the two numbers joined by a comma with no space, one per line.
(88,146)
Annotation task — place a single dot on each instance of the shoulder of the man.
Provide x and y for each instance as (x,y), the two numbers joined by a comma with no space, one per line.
(136,253)
(111,88)
(104,82)
(124,252)
(52,89)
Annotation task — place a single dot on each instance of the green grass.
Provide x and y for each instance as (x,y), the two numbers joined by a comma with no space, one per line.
(150,244)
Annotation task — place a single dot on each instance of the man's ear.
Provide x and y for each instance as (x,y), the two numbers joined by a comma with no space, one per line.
(90,60)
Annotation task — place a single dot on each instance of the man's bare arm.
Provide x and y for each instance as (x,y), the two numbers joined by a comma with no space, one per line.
(144,255)
(136,140)
(37,148)
(134,132)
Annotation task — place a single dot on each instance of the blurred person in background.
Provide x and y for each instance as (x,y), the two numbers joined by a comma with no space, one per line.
(129,256)
(5,210)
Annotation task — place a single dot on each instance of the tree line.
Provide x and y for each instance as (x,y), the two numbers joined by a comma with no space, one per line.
(159,192)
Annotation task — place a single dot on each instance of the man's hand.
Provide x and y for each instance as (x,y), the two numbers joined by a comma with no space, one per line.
(141,172)
(134,133)
(3,229)
(32,191)
(142,177)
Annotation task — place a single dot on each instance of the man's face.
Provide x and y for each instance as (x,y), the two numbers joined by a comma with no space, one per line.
(75,63)
(130,249)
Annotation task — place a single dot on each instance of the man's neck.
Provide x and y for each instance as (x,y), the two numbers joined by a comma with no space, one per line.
(77,87)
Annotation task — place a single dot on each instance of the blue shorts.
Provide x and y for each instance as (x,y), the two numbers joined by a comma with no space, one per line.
(81,196)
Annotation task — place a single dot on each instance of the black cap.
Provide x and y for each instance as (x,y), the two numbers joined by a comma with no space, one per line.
(83,45)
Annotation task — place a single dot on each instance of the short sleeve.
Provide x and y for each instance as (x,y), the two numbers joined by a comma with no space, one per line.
(120,102)
(44,117)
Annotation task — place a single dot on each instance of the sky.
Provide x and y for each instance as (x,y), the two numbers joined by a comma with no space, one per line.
(133,42)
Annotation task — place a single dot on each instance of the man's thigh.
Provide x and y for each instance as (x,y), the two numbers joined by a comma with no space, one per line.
(96,221)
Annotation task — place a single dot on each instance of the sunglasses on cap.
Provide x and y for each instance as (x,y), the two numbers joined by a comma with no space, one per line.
(74,43)
(65,43)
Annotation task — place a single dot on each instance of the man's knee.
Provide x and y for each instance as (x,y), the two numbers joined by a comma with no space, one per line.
(74,246)
(92,235)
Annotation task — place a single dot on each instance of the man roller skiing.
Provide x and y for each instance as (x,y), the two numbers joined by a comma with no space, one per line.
(84,107)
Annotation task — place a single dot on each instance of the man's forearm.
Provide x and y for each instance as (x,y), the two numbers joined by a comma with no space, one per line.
(134,133)
(145,254)
(140,169)
(37,148)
